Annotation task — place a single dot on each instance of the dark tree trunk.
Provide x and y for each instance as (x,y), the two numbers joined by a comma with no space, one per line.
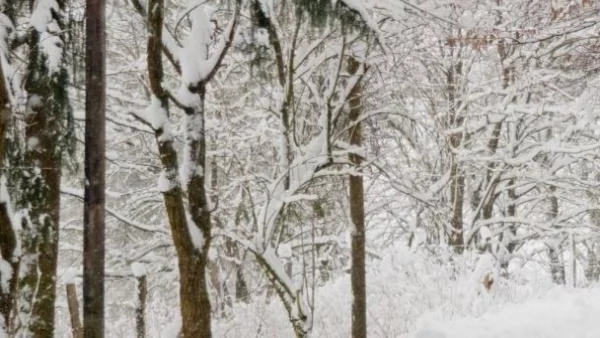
(357,214)
(8,238)
(94,199)
(140,311)
(457,192)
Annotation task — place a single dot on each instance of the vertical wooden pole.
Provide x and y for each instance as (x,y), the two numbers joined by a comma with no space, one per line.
(357,214)
(93,217)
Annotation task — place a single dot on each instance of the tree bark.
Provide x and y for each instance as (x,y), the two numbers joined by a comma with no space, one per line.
(94,198)
(592,271)
(357,214)
(241,288)
(8,237)
(73,304)
(457,184)
(140,311)
(557,264)
(47,129)
(195,307)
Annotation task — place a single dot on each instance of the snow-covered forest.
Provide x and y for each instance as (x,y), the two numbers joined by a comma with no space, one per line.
(304,168)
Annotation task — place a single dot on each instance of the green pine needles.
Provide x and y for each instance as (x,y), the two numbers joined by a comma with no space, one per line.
(328,12)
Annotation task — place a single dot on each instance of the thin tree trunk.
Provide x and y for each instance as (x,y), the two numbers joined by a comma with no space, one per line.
(511,212)
(357,214)
(457,191)
(457,184)
(94,198)
(73,304)
(592,271)
(140,311)
(241,288)
(557,265)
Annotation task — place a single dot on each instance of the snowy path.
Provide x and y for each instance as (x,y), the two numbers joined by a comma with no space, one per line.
(561,313)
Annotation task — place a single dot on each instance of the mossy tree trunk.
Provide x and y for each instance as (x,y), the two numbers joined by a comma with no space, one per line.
(48,130)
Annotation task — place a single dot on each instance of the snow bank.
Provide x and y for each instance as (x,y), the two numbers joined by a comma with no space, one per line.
(560,313)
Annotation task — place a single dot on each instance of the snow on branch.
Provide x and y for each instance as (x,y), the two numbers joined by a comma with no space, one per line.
(198,65)
(169,42)
(359,7)
(42,14)
(43,19)
(155,116)
(137,225)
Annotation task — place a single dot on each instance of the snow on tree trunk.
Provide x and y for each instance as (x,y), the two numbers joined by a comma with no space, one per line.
(48,124)
(457,185)
(9,240)
(190,220)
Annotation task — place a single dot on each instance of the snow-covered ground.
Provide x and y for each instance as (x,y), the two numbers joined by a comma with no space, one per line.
(558,313)
(415,294)
(426,293)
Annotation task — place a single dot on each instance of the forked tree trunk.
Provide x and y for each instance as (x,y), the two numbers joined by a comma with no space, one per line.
(191,236)
(357,214)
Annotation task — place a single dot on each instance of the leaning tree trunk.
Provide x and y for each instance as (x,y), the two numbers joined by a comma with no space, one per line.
(48,128)
(357,215)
